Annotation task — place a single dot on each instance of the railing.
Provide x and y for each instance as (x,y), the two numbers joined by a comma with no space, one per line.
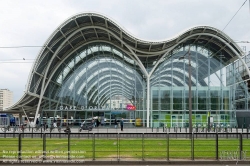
(101,129)
(81,147)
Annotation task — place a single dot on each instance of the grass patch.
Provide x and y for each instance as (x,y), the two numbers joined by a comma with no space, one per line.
(136,148)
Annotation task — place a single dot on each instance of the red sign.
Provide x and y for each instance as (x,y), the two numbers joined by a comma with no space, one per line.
(130,107)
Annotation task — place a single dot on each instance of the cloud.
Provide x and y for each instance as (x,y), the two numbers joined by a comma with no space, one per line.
(30,23)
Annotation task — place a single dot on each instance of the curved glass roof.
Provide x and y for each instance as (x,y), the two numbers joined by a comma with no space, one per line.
(86,52)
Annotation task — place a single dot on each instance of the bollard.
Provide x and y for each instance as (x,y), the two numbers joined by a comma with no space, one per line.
(50,133)
(19,147)
(247,132)
(41,131)
(206,132)
(32,132)
(59,133)
(186,129)
(13,133)
(44,146)
(180,129)
(5,133)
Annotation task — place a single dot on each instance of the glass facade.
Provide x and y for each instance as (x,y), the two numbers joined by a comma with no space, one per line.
(212,95)
(92,82)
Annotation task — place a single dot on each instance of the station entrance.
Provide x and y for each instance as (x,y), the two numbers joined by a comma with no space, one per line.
(105,118)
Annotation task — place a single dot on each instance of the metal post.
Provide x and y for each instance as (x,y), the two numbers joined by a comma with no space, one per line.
(217,147)
(41,131)
(117,146)
(14,132)
(32,132)
(44,146)
(241,147)
(206,132)
(19,146)
(247,132)
(50,132)
(168,146)
(93,146)
(5,133)
(142,146)
(68,146)
(192,145)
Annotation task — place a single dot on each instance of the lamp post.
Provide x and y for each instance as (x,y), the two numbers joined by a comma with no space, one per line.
(189,88)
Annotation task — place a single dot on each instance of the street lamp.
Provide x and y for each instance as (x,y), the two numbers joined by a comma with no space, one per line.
(189,88)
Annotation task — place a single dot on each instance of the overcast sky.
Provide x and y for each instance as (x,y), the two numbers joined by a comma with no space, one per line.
(30,23)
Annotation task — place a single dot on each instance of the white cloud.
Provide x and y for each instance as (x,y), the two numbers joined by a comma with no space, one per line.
(30,23)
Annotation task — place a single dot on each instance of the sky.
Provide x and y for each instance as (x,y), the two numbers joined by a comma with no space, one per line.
(31,22)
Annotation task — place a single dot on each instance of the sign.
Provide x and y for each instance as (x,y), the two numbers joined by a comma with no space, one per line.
(130,107)
(72,107)
(211,119)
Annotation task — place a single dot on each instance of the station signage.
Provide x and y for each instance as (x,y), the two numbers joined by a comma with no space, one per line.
(62,107)
(130,107)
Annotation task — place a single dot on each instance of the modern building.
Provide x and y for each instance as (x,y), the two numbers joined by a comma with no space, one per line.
(89,60)
(6,98)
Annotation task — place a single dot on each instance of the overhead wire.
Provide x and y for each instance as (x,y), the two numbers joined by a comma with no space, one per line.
(234,16)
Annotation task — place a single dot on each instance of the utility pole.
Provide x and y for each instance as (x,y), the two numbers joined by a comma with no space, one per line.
(189,89)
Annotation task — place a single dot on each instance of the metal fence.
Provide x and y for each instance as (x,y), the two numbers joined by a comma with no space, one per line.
(124,146)
(41,129)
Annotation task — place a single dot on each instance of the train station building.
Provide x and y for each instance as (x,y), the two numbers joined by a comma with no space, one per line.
(90,66)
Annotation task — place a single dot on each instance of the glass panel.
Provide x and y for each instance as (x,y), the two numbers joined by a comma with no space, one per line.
(177,99)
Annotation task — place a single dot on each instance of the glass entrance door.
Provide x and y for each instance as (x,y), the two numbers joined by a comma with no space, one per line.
(176,121)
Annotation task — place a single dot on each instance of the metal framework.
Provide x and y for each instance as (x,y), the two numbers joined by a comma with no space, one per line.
(108,53)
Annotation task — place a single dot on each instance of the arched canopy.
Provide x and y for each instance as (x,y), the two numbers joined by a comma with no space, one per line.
(88,47)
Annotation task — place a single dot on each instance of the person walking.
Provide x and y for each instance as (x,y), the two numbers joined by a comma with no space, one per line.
(121,124)
(116,124)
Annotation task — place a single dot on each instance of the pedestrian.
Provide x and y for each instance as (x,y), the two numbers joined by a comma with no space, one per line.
(121,124)
(54,123)
(116,124)
(37,122)
(93,122)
